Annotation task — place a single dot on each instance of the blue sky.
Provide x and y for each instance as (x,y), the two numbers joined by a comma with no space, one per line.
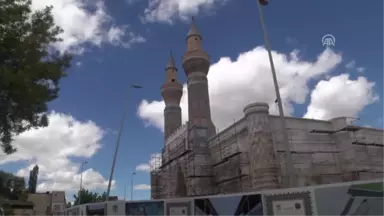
(118,43)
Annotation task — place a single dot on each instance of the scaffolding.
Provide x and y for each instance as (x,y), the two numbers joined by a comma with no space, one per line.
(368,147)
(156,178)
(207,168)
(314,156)
(231,164)
(190,154)
(198,169)
(219,165)
(318,154)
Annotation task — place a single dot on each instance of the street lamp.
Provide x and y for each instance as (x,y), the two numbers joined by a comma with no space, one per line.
(133,174)
(118,141)
(81,179)
(125,191)
(288,156)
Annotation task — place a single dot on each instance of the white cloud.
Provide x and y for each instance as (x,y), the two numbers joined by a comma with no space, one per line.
(351,64)
(360,69)
(53,147)
(248,79)
(86,22)
(290,40)
(142,187)
(340,96)
(115,34)
(153,163)
(143,167)
(167,11)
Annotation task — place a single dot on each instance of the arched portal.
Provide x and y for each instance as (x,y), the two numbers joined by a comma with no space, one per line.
(181,188)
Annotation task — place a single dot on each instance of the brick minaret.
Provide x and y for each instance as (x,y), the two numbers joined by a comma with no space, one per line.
(171,92)
(196,64)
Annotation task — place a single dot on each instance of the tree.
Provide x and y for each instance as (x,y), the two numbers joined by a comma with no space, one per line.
(30,70)
(88,197)
(11,187)
(32,183)
(102,197)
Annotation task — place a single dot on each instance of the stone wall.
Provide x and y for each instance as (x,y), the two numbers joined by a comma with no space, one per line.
(328,152)
(230,161)
(368,146)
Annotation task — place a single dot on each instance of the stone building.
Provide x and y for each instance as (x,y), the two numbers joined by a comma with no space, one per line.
(249,155)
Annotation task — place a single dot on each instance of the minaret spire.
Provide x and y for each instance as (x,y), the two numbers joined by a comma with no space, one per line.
(193,30)
(172,92)
(171,61)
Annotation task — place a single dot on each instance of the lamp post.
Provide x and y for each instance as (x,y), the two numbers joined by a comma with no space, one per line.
(81,179)
(133,174)
(125,192)
(118,141)
(288,155)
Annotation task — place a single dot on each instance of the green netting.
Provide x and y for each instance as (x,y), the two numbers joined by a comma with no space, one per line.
(367,190)
(377,187)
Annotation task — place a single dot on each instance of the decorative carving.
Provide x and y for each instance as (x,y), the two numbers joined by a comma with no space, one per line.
(257,123)
(261,155)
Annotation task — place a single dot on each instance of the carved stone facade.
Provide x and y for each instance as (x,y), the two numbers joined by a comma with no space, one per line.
(262,161)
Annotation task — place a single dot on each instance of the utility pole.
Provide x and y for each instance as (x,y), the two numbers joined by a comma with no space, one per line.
(286,144)
(125,109)
(81,179)
(133,174)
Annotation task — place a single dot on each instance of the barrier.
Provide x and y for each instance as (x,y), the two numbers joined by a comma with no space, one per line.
(351,198)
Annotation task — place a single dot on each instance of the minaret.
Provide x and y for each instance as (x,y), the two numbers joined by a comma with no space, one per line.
(171,91)
(196,64)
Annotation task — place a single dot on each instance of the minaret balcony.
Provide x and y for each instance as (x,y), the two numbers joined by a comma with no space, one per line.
(196,54)
(172,85)
(172,92)
(196,62)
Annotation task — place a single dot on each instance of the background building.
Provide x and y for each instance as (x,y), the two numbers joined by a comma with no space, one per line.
(49,203)
(249,155)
